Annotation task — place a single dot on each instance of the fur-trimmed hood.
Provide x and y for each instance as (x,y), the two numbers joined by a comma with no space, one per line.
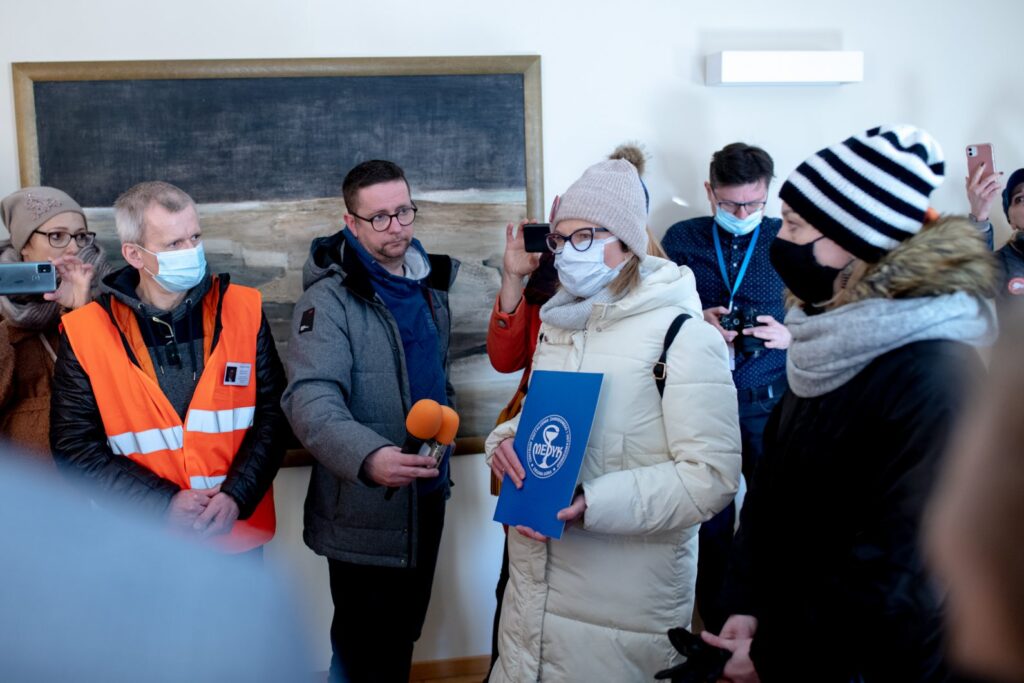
(947,256)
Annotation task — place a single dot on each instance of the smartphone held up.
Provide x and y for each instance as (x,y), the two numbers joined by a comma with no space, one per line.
(977,155)
(535,237)
(27,278)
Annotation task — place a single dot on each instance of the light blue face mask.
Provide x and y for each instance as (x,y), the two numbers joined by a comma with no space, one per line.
(738,226)
(179,271)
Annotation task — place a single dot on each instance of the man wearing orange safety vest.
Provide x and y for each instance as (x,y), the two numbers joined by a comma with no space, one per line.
(166,393)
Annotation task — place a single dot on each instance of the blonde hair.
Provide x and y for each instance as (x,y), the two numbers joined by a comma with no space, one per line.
(654,247)
(629,278)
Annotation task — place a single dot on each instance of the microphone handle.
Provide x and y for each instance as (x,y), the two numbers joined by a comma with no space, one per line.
(437,451)
(411,446)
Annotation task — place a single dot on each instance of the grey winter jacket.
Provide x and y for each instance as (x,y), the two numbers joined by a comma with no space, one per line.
(347,396)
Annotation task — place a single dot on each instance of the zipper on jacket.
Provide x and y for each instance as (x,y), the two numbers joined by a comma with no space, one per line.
(583,350)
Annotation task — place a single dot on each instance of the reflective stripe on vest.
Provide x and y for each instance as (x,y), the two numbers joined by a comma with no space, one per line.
(219,421)
(149,441)
(140,422)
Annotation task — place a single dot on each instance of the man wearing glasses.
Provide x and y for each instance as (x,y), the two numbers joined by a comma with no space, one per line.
(743,298)
(370,337)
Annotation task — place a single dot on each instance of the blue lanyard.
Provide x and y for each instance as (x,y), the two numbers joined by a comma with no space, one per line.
(743,268)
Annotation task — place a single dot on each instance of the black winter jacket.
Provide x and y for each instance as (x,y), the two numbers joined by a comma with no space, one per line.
(79,442)
(827,554)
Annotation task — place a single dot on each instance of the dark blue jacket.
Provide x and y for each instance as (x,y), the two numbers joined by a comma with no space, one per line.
(690,243)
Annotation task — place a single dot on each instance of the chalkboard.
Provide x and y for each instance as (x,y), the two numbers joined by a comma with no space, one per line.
(253,130)
(242,139)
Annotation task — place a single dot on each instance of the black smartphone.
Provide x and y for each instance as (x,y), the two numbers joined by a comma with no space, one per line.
(27,278)
(534,237)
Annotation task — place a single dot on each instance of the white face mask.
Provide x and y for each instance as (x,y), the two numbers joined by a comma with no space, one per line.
(584,273)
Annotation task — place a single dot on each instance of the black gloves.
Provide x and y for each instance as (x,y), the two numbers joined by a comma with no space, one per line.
(704,663)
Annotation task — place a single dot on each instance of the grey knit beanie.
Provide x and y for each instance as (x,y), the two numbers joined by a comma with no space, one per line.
(28,208)
(609,195)
(870,192)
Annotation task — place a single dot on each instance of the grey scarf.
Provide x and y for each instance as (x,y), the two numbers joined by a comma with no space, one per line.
(830,348)
(38,314)
(568,312)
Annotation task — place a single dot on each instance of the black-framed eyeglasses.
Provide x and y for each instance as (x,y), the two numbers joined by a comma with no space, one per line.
(59,239)
(382,221)
(579,239)
(733,207)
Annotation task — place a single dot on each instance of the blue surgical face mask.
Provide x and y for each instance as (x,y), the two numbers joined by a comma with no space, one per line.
(738,226)
(180,270)
(584,273)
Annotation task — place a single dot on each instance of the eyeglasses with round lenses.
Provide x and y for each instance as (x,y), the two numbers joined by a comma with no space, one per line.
(59,239)
(382,221)
(579,239)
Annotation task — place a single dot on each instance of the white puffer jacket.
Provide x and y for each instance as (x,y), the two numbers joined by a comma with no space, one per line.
(596,604)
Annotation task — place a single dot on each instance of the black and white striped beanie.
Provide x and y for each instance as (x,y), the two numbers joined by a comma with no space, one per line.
(869,193)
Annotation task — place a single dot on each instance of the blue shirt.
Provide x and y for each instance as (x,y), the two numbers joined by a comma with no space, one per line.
(691,243)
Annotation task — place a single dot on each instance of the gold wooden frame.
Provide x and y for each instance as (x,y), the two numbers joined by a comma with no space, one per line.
(26,74)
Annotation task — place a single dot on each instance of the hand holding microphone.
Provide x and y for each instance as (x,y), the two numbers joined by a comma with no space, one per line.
(430,429)
(393,467)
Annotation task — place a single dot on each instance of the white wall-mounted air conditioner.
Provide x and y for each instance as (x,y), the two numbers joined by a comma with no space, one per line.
(784,67)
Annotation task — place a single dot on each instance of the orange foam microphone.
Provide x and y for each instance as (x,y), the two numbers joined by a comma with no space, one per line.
(445,436)
(421,424)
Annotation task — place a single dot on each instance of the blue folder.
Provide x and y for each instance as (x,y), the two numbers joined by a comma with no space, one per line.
(550,442)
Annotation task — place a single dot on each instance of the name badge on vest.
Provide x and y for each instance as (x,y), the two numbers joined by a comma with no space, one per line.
(237,374)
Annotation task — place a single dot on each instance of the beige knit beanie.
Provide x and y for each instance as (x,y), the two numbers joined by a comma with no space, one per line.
(28,208)
(609,195)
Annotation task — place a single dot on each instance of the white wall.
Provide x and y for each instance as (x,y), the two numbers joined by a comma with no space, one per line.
(611,72)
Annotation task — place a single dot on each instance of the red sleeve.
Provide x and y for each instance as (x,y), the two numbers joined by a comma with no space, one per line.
(511,336)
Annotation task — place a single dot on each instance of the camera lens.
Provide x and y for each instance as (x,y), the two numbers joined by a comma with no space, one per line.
(44,268)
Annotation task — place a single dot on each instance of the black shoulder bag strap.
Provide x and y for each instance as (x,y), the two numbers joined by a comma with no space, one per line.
(660,368)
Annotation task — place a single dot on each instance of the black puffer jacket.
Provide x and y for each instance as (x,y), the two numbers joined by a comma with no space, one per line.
(1011,261)
(829,559)
(79,442)
(827,556)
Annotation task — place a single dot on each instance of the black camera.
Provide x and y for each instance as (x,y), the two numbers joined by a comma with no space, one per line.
(740,319)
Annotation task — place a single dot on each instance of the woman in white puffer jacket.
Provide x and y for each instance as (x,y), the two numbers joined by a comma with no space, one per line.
(596,604)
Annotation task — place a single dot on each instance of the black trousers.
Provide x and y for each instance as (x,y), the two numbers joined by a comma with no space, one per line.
(379,611)
(716,534)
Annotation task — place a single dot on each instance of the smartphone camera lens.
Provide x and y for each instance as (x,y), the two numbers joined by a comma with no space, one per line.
(44,268)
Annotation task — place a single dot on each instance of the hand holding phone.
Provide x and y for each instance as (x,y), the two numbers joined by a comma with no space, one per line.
(984,183)
(518,261)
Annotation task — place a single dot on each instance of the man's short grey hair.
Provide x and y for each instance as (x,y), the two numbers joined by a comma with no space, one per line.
(130,207)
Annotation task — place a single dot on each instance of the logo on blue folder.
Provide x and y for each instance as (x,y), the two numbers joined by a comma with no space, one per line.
(548,446)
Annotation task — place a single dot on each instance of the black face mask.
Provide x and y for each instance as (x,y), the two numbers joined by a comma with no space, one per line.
(809,281)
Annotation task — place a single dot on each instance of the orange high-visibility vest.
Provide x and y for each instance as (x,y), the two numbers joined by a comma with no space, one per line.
(140,422)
